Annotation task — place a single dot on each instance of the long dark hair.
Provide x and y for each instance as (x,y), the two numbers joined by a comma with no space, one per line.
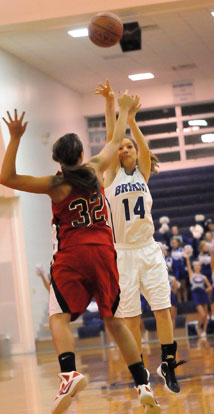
(67,150)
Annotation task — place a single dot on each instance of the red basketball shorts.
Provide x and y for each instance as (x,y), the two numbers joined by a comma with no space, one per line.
(81,273)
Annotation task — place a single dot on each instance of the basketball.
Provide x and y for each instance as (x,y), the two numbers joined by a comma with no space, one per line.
(105,29)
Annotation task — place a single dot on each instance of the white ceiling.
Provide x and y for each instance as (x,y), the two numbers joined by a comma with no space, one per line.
(180,37)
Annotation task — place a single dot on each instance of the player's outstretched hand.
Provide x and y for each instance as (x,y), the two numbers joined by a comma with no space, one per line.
(16,126)
(134,109)
(105,90)
(126,101)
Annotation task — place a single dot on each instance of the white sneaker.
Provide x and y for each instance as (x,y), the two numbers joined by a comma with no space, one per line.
(147,399)
(71,383)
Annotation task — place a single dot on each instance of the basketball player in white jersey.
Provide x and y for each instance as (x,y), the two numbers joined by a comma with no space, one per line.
(140,260)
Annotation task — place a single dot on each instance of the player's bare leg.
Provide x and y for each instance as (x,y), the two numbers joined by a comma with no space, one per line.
(129,350)
(71,381)
(134,325)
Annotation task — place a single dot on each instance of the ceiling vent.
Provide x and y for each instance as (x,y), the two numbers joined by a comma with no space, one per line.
(131,39)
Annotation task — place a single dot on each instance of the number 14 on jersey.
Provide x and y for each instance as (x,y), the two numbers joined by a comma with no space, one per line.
(137,210)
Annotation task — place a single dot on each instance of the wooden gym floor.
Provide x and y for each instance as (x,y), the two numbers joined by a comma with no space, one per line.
(28,383)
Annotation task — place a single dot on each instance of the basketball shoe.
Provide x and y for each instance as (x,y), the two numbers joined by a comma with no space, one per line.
(166,370)
(71,383)
(146,397)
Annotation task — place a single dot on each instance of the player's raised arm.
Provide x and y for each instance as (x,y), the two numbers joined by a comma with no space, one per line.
(9,176)
(110,114)
(101,161)
(144,159)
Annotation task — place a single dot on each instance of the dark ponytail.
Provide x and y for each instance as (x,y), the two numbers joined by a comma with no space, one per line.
(154,163)
(67,150)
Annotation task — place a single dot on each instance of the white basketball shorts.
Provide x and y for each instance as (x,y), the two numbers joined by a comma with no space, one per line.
(142,270)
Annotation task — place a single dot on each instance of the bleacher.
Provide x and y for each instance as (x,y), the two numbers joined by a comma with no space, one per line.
(182,194)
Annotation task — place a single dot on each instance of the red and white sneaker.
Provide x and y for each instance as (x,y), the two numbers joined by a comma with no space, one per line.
(71,383)
(147,399)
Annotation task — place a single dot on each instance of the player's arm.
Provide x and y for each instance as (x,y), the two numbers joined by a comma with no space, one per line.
(9,176)
(110,114)
(209,286)
(144,159)
(110,117)
(103,160)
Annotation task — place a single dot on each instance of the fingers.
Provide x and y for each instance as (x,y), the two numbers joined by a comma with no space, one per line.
(9,116)
(16,119)
(101,85)
(6,122)
(25,126)
(22,116)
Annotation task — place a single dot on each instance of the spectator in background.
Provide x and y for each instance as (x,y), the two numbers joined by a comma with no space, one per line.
(174,284)
(176,233)
(205,259)
(173,231)
(209,226)
(208,237)
(178,267)
(200,287)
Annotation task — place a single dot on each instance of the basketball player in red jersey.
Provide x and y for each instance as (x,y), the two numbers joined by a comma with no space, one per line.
(84,263)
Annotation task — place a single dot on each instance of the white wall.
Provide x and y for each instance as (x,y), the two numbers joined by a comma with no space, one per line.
(50,109)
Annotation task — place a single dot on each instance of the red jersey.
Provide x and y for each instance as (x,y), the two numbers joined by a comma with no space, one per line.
(80,219)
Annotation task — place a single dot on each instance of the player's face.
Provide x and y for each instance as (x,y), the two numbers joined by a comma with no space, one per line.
(127,153)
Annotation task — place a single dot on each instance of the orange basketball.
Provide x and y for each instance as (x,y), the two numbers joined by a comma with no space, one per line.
(105,29)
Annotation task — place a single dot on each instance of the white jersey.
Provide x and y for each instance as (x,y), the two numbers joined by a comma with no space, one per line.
(129,203)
